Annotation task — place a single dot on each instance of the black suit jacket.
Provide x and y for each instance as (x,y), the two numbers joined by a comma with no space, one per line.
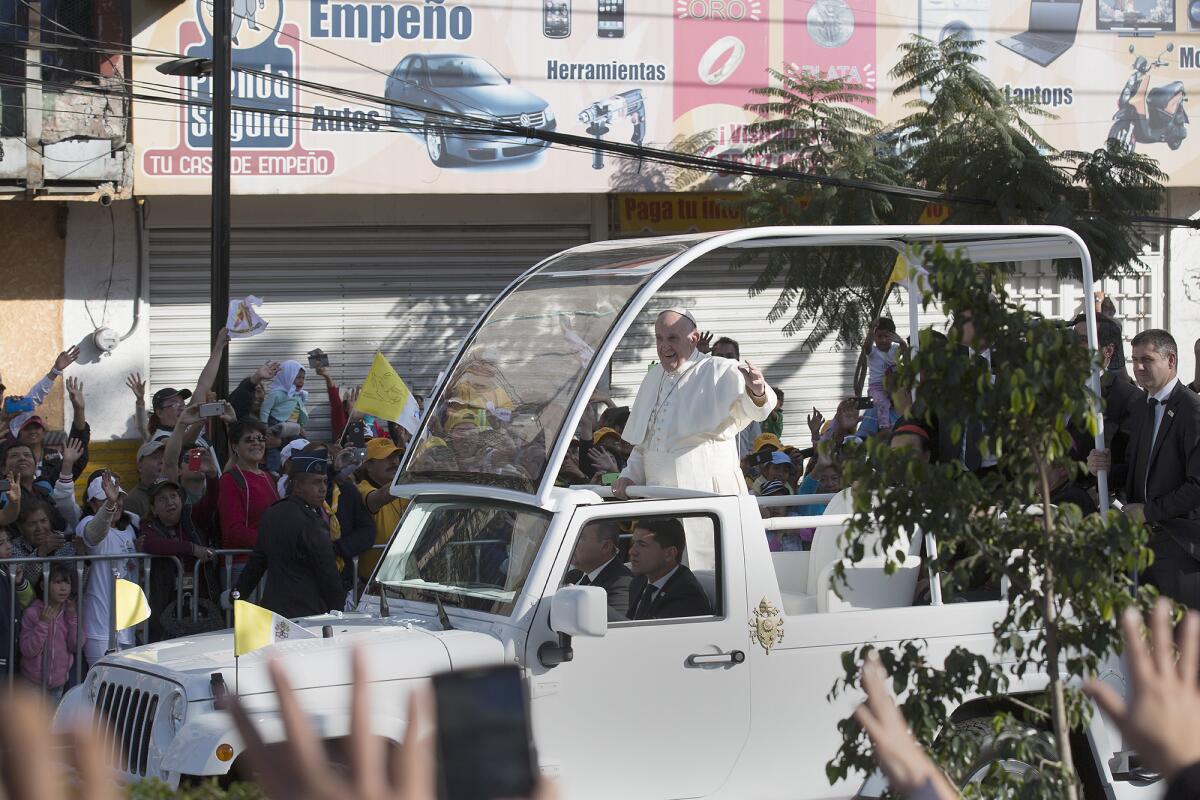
(948,450)
(293,543)
(682,596)
(1170,470)
(614,579)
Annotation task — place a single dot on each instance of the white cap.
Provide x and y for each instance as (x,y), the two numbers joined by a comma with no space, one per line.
(683,312)
(95,490)
(290,448)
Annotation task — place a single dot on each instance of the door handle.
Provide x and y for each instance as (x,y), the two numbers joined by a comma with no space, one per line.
(705,659)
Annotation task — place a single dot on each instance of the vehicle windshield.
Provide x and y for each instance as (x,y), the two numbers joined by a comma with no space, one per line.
(472,554)
(451,71)
(503,407)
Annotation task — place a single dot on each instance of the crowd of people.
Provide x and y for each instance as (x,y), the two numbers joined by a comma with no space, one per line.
(196,526)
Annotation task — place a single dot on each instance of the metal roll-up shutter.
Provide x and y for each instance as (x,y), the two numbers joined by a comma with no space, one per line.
(411,292)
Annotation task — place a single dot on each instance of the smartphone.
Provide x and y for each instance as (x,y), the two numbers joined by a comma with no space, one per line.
(317,358)
(212,409)
(484,739)
(610,19)
(17,405)
(760,459)
(864,403)
(556,19)
(195,459)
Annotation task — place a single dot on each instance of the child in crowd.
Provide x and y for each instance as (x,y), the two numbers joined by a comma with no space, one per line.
(48,634)
(882,346)
(287,398)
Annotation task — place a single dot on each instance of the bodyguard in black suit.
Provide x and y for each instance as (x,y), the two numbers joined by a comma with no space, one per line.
(596,562)
(1163,480)
(663,588)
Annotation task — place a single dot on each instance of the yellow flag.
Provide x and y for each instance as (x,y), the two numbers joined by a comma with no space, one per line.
(932,214)
(130,603)
(385,395)
(253,627)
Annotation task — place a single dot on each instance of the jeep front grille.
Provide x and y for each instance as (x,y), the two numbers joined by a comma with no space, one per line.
(125,721)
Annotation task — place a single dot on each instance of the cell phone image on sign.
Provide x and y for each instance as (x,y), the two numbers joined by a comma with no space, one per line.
(610,19)
(484,738)
(556,19)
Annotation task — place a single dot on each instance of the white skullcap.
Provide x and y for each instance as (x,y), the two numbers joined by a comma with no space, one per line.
(683,312)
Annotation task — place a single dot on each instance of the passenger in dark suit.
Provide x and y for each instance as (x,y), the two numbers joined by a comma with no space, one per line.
(1163,481)
(1119,396)
(663,588)
(294,545)
(596,562)
(967,449)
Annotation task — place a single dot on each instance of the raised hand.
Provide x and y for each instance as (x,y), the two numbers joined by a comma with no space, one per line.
(266,372)
(14,488)
(75,391)
(907,766)
(108,482)
(66,358)
(602,460)
(815,420)
(190,415)
(705,343)
(137,386)
(756,384)
(72,452)
(1158,717)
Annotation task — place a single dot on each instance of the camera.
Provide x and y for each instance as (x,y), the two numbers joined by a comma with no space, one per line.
(212,409)
(18,405)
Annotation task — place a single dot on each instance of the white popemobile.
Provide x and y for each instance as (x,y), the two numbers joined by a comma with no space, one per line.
(733,704)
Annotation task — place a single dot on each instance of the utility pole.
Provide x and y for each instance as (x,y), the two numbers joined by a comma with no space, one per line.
(33,100)
(220,111)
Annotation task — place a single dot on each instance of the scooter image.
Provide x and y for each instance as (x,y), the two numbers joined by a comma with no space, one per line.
(1150,115)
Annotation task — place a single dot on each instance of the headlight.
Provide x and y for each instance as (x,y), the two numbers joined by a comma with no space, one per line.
(178,711)
(93,689)
(549,114)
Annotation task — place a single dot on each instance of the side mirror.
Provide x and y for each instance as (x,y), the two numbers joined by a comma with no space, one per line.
(579,611)
(574,611)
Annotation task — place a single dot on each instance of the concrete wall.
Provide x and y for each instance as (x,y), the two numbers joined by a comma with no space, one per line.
(101,282)
(1182,307)
(31,285)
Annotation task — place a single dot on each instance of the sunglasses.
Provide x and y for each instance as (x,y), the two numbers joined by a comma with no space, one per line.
(256,439)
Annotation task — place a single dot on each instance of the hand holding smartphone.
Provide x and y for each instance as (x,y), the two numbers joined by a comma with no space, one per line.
(484,738)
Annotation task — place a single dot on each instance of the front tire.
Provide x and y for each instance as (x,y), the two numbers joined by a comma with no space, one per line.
(1122,131)
(435,146)
(980,728)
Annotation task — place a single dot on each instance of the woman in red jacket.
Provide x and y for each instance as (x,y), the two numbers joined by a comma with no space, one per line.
(246,490)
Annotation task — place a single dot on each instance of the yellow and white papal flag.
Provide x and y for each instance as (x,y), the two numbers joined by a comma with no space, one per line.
(385,395)
(255,627)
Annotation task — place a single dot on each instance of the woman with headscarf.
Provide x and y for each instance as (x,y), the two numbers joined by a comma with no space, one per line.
(285,402)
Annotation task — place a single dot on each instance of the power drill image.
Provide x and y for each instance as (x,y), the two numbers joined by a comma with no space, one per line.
(601,114)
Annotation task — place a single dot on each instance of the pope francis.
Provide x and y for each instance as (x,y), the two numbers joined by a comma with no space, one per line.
(688,412)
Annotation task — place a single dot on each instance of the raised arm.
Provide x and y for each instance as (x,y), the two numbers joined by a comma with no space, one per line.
(209,373)
(138,387)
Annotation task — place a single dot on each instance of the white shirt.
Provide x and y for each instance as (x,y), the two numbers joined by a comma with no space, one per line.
(98,594)
(661,582)
(878,362)
(591,576)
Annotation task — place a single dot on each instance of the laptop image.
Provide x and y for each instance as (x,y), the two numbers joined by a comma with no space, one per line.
(1052,28)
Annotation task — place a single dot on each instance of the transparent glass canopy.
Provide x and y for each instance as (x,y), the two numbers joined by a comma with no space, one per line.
(499,419)
(501,410)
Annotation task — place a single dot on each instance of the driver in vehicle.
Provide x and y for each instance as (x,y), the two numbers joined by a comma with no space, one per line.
(596,562)
(663,588)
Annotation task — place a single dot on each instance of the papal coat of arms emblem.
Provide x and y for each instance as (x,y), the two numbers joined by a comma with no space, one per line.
(766,627)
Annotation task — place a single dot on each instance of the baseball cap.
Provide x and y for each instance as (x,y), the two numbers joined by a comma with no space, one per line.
(380,448)
(150,448)
(599,435)
(32,420)
(95,491)
(779,457)
(163,395)
(291,448)
(771,488)
(765,439)
(163,483)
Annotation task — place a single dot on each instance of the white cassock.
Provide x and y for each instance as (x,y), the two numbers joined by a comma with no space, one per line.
(684,427)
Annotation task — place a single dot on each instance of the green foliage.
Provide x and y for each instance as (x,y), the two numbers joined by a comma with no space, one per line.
(154,789)
(1067,576)
(962,137)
